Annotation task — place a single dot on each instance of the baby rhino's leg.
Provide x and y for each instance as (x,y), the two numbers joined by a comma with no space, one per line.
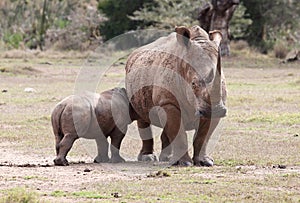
(63,147)
(102,146)
(116,139)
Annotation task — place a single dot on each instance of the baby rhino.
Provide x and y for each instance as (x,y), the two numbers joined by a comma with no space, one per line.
(92,116)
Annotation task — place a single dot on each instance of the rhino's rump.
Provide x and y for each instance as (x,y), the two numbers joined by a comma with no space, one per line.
(76,117)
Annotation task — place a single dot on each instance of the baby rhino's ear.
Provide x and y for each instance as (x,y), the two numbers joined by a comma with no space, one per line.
(183,35)
(216,36)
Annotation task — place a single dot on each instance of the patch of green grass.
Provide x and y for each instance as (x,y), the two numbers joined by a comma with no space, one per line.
(81,194)
(19,195)
(90,195)
(205,182)
(240,85)
(58,193)
(288,119)
(230,162)
(34,177)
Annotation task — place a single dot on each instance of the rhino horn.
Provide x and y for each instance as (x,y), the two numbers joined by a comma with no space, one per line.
(183,35)
(216,36)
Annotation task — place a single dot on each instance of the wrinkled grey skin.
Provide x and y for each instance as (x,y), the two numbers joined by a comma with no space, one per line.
(177,83)
(91,116)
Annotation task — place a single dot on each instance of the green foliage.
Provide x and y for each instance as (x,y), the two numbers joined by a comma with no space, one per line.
(61,23)
(239,22)
(13,39)
(19,195)
(167,14)
(271,19)
(117,12)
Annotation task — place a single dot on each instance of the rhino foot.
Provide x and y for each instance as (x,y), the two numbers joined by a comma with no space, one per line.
(185,160)
(100,159)
(117,159)
(205,161)
(182,163)
(60,162)
(165,157)
(147,157)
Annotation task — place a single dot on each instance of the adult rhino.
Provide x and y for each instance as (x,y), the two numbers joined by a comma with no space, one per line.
(177,83)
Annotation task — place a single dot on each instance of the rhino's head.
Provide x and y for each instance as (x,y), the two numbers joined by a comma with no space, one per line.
(202,69)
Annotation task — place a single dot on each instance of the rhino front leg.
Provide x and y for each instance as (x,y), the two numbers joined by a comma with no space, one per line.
(177,136)
(201,138)
(102,147)
(116,140)
(63,148)
(145,132)
(166,149)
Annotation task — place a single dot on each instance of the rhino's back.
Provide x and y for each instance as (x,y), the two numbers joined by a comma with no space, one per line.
(152,54)
(152,64)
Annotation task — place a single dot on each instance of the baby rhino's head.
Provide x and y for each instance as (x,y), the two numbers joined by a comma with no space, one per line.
(121,108)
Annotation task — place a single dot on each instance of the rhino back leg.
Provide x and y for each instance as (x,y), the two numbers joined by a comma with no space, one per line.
(145,132)
(64,147)
(116,139)
(202,135)
(58,138)
(56,125)
(102,147)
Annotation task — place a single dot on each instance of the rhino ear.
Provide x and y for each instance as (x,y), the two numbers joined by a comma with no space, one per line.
(183,35)
(216,36)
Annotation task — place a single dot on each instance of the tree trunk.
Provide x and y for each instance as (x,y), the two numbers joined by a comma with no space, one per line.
(42,28)
(216,16)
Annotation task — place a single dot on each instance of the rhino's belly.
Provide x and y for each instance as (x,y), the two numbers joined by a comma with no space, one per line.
(148,106)
(98,130)
(188,123)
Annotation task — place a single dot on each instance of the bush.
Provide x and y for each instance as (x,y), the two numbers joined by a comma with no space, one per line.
(280,50)
(168,14)
(19,195)
(13,40)
(29,23)
(271,19)
(118,12)
(239,24)
(80,31)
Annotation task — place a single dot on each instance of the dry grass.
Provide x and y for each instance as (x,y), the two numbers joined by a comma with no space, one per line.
(239,45)
(258,138)
(49,54)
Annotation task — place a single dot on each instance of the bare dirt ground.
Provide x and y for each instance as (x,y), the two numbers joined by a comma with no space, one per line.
(257,156)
